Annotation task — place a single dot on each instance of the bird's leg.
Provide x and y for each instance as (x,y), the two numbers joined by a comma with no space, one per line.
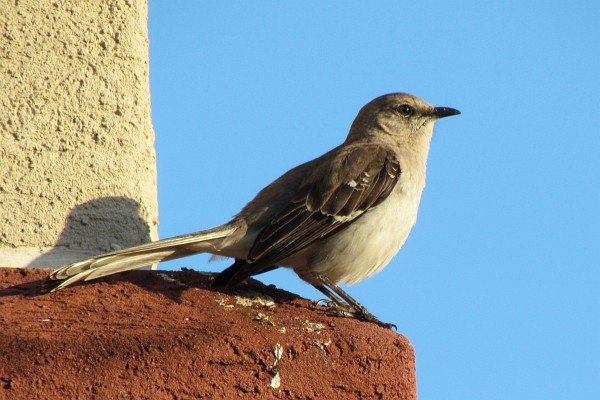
(342,308)
(349,306)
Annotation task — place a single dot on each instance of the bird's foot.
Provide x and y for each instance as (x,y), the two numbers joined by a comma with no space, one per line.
(348,311)
(366,316)
(339,309)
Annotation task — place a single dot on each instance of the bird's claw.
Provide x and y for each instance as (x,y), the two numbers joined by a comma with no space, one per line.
(347,311)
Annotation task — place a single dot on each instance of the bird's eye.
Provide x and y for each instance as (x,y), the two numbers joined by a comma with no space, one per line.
(405,110)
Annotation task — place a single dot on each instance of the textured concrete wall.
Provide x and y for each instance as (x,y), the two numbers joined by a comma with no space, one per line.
(77,163)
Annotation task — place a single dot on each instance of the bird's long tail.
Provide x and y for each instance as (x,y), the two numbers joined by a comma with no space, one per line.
(139,256)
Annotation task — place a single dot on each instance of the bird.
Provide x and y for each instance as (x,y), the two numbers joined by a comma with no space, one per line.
(337,219)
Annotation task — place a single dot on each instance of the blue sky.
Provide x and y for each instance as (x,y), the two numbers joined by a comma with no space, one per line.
(498,285)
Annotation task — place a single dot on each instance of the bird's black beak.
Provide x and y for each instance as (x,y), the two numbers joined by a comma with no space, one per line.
(441,112)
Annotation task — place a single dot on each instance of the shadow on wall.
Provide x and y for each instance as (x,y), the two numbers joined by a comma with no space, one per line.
(95,227)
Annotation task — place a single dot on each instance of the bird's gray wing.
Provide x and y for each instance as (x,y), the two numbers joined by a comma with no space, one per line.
(336,193)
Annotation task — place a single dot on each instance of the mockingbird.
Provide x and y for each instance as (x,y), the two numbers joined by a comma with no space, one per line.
(339,218)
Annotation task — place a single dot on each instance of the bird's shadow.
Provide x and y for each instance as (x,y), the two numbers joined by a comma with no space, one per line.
(121,226)
(169,284)
(95,227)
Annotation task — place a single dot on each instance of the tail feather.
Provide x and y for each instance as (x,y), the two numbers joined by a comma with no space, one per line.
(139,256)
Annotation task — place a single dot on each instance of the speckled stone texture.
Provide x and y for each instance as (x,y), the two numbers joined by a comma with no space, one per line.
(77,160)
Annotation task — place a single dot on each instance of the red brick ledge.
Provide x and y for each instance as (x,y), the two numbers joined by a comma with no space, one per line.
(152,334)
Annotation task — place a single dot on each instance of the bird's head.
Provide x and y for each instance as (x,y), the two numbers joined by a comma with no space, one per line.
(401,117)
